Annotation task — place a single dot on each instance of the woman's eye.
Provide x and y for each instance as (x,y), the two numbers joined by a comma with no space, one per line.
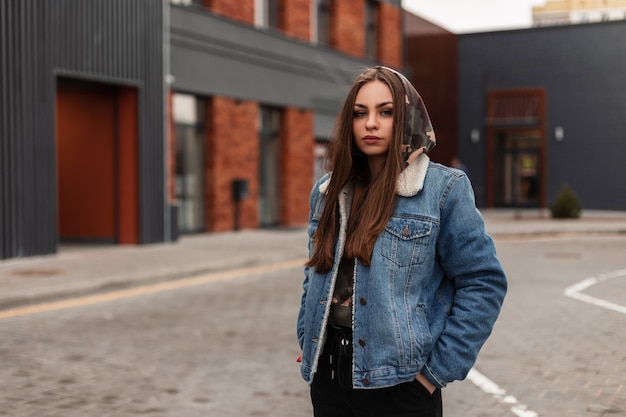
(359,114)
(387,113)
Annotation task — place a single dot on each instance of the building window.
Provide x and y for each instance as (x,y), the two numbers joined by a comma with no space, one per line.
(188,2)
(321,26)
(266,13)
(371,29)
(189,188)
(269,193)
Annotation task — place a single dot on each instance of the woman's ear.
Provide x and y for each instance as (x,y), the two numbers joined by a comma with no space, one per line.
(415,154)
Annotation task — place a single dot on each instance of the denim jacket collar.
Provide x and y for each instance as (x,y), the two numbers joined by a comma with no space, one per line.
(410,181)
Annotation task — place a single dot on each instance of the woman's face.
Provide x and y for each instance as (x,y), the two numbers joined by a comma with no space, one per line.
(372,120)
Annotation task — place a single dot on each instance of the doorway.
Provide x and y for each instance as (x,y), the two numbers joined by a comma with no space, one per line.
(517,175)
(516,142)
(96,144)
(189,113)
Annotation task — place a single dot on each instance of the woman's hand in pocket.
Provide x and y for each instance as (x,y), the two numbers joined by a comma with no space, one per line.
(426,383)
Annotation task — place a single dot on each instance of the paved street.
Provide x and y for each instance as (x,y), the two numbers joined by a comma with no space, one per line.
(221,349)
(224,344)
(558,355)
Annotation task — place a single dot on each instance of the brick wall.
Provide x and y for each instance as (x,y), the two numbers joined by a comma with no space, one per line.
(296,171)
(347,27)
(295,18)
(390,35)
(232,142)
(241,10)
(347,30)
(232,152)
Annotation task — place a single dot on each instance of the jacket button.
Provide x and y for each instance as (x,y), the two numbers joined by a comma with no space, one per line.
(366,381)
(361,342)
(405,231)
(362,301)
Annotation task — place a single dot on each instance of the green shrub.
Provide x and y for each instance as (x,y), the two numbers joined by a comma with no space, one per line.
(566,205)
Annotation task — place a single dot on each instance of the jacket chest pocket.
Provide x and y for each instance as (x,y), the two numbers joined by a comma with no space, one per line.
(405,241)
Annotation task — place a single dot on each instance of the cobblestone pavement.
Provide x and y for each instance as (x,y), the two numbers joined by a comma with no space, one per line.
(227,348)
(558,355)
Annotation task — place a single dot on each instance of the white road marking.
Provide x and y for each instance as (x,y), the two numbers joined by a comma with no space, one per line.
(575,291)
(491,388)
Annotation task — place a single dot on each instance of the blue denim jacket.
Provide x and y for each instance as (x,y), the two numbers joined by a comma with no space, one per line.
(433,291)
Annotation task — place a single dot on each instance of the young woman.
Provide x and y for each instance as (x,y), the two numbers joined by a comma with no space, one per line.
(403,285)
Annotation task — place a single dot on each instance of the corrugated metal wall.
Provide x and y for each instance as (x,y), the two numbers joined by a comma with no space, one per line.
(112,41)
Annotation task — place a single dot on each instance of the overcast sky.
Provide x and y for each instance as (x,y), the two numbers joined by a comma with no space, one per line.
(465,16)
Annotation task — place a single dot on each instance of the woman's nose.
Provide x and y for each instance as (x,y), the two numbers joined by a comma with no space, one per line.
(372,122)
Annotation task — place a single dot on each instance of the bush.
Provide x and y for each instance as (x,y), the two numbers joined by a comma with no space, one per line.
(566,205)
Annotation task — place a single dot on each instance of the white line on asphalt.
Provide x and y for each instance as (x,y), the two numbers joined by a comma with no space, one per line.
(575,291)
(491,388)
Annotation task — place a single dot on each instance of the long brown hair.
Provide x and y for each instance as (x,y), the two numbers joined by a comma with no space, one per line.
(374,198)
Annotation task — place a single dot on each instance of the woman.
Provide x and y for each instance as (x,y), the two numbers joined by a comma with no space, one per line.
(403,285)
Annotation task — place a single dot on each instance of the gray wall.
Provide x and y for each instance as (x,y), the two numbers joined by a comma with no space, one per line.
(216,56)
(583,70)
(113,41)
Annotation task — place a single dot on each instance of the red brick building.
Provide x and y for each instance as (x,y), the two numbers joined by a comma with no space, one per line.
(263,134)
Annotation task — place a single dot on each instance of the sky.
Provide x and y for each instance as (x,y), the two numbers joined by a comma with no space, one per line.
(467,16)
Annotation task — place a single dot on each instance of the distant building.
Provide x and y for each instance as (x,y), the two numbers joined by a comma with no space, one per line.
(528,110)
(432,63)
(540,108)
(566,12)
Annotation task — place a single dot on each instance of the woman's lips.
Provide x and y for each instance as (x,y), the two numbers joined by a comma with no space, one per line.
(371,139)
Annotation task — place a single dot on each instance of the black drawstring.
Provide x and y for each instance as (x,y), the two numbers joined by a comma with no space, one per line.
(340,359)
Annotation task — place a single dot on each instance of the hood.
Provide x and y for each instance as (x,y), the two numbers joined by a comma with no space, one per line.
(418,130)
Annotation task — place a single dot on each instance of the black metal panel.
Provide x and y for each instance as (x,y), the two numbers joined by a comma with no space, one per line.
(114,41)
(5,169)
(152,147)
(19,101)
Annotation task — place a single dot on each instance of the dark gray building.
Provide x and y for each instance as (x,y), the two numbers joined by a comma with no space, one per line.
(91,73)
(543,107)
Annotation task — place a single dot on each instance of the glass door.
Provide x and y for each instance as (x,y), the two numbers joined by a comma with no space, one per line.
(188,111)
(517,176)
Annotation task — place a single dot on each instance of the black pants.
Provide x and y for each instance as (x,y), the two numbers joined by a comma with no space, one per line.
(332,398)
